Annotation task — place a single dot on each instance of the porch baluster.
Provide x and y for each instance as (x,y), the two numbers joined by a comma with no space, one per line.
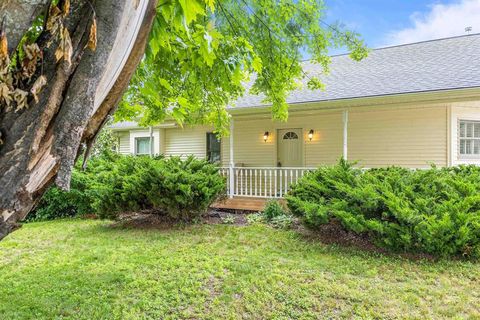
(270,188)
(265,183)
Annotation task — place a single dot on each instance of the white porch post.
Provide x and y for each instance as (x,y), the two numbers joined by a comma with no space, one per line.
(232,164)
(345,134)
(151,141)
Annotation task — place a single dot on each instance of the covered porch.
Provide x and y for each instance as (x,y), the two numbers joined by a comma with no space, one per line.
(251,181)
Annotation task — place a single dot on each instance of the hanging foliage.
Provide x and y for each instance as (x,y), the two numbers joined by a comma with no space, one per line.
(202,53)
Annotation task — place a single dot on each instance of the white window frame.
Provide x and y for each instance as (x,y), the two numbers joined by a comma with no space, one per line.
(473,138)
(142,133)
(136,139)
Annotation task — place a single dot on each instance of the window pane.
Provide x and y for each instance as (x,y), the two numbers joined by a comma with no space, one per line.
(462,146)
(476,147)
(290,136)
(476,130)
(469,129)
(143,145)
(462,129)
(213,147)
(468,146)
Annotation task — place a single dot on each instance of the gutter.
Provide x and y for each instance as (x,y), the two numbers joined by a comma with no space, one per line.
(136,127)
(461,94)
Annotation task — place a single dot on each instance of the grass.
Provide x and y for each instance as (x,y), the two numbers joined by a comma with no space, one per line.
(85,269)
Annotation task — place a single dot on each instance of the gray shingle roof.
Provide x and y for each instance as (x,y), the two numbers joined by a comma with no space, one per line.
(435,65)
(124,125)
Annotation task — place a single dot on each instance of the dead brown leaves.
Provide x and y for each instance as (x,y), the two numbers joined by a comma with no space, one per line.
(55,21)
(92,38)
(13,79)
(64,50)
(3,45)
(66,8)
(29,64)
(20,97)
(4,58)
(38,86)
(5,97)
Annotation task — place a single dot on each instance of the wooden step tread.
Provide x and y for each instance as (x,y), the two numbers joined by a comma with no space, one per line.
(239,203)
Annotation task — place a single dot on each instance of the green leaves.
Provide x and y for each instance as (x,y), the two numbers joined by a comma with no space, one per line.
(191,9)
(257,64)
(205,51)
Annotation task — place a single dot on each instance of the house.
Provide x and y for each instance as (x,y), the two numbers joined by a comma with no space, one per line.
(409,105)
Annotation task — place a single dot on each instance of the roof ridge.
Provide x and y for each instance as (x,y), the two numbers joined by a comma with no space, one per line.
(405,44)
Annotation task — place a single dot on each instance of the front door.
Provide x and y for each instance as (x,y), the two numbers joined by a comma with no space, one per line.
(290,148)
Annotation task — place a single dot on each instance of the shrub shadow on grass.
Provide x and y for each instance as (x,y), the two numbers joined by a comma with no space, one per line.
(331,234)
(157,220)
(146,220)
(334,233)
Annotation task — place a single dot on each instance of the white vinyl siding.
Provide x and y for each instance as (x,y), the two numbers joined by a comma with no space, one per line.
(124,142)
(186,141)
(412,137)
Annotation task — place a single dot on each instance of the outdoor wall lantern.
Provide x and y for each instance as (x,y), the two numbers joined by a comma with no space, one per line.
(310,134)
(265,136)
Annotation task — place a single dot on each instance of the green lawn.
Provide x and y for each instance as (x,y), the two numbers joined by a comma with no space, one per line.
(85,269)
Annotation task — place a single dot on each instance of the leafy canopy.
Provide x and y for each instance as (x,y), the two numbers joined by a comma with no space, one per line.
(202,53)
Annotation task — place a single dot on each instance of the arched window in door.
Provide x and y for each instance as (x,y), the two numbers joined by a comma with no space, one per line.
(290,136)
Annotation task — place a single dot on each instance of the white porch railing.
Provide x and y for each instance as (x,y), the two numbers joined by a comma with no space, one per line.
(261,182)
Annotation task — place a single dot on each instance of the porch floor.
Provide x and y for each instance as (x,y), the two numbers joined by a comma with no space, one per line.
(241,203)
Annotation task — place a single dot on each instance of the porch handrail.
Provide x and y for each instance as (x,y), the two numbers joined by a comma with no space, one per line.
(261,182)
(303,168)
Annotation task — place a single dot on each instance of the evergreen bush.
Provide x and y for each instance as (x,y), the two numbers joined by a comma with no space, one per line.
(179,189)
(434,211)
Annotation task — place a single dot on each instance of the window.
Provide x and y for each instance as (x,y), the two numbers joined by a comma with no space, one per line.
(142,145)
(290,136)
(469,138)
(213,147)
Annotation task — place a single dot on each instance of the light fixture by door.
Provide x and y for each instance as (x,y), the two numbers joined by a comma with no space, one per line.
(310,134)
(265,136)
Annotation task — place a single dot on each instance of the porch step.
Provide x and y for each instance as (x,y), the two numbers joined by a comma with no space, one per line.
(241,203)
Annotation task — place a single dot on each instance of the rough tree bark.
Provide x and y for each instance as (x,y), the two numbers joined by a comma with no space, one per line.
(41,143)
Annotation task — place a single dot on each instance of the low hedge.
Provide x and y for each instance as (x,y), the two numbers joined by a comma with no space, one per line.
(179,189)
(435,211)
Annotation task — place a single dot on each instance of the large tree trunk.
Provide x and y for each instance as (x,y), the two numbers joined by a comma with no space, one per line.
(41,143)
